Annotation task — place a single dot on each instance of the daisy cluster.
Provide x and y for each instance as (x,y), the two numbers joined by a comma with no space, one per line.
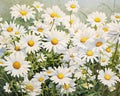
(47,52)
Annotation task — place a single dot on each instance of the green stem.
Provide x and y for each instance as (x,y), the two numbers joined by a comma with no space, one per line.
(116,47)
(52,24)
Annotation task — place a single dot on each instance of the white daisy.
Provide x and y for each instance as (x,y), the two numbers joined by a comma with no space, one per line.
(56,40)
(108,77)
(15,65)
(97,18)
(89,54)
(31,87)
(61,76)
(53,15)
(104,60)
(72,55)
(39,29)
(38,6)
(49,71)
(4,40)
(8,28)
(68,88)
(81,38)
(7,88)
(23,11)
(72,5)
(16,47)
(99,44)
(31,43)
(114,33)
(40,77)
(83,73)
(70,21)
(115,17)
(19,30)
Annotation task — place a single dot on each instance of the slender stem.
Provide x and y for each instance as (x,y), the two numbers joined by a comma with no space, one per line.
(116,47)
(52,24)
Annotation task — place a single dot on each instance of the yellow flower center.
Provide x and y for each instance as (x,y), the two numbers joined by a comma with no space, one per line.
(16,65)
(72,56)
(107,77)
(48,71)
(40,29)
(117,16)
(90,53)
(108,50)
(17,48)
(23,12)
(83,71)
(54,41)
(60,75)
(105,29)
(71,21)
(41,79)
(9,29)
(17,32)
(54,15)
(103,59)
(37,6)
(1,62)
(98,44)
(83,39)
(30,87)
(72,6)
(31,43)
(97,19)
(66,86)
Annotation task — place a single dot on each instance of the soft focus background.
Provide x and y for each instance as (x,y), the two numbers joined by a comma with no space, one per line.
(87,6)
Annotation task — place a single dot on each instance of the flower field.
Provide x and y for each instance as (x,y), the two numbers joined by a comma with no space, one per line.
(45,51)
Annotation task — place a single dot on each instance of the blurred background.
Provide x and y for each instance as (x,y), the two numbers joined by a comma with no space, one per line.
(86,6)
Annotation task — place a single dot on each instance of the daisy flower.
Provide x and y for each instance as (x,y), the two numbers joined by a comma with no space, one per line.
(72,5)
(22,11)
(89,54)
(103,60)
(38,6)
(15,65)
(4,41)
(108,77)
(68,88)
(61,76)
(115,17)
(99,44)
(16,47)
(19,30)
(114,33)
(81,38)
(31,87)
(53,15)
(97,18)
(8,28)
(72,55)
(31,43)
(39,29)
(7,88)
(49,71)
(40,77)
(56,40)
(83,73)
(70,21)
